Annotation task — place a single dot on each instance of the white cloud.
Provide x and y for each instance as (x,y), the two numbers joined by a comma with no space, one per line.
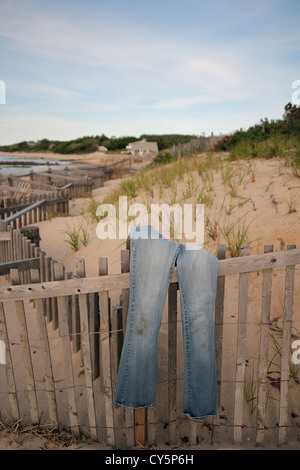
(119,71)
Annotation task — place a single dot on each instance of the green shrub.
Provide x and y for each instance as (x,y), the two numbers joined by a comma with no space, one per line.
(164,157)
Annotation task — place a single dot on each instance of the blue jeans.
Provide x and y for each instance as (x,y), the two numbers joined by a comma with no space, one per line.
(152,261)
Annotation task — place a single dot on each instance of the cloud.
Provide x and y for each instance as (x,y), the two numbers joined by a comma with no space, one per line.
(111,68)
(30,89)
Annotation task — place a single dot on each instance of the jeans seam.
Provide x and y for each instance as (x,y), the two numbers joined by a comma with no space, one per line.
(187,348)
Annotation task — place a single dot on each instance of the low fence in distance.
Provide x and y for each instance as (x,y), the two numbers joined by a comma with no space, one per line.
(199,144)
(42,209)
(89,319)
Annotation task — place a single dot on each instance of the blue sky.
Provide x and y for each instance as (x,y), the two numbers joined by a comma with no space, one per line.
(127,67)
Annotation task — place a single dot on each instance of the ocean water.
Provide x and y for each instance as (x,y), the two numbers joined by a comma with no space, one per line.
(18,165)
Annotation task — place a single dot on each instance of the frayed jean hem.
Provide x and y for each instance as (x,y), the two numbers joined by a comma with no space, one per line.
(200,418)
(135,407)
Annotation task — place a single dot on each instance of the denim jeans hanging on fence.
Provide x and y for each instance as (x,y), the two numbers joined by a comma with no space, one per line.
(152,261)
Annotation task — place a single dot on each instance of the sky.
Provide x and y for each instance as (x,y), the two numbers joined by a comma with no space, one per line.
(71,68)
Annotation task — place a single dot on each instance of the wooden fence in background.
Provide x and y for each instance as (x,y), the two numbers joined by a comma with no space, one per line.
(86,322)
(20,215)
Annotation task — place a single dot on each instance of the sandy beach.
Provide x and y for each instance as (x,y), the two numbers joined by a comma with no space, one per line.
(268,198)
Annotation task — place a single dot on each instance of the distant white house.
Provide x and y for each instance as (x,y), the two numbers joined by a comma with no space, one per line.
(31,143)
(142,148)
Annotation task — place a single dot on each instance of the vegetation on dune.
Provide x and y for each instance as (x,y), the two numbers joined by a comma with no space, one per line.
(232,163)
(268,139)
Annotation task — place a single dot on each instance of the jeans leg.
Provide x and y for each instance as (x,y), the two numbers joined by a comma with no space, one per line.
(151,265)
(197,279)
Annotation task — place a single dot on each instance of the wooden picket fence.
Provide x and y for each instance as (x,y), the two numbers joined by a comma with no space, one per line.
(75,388)
(43,208)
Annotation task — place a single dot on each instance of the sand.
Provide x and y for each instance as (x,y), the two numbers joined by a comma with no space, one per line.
(264,198)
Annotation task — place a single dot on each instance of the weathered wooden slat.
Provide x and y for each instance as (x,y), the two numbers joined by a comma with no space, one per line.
(125,288)
(286,348)
(129,413)
(24,341)
(10,377)
(116,349)
(21,265)
(263,352)
(106,357)
(121,281)
(48,301)
(67,355)
(54,303)
(4,236)
(94,321)
(46,355)
(116,340)
(218,326)
(140,426)
(240,355)
(87,361)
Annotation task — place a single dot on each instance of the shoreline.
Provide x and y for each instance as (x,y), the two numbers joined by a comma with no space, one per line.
(95,158)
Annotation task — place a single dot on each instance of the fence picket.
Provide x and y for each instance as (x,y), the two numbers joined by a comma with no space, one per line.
(54,303)
(48,302)
(286,348)
(129,413)
(218,326)
(87,361)
(240,355)
(67,355)
(105,356)
(45,348)
(25,344)
(116,349)
(10,376)
(263,352)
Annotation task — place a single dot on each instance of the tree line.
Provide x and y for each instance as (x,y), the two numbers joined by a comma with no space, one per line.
(89,144)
